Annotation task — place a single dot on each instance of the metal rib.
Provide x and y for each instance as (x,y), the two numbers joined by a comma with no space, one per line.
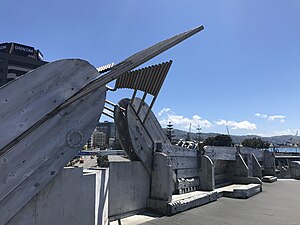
(148,79)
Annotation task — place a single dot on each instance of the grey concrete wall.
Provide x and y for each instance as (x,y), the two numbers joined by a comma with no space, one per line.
(295,169)
(259,153)
(240,169)
(269,164)
(71,198)
(256,167)
(162,184)
(207,179)
(129,188)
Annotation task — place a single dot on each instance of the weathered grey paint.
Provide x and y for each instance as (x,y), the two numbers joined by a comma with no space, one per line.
(81,117)
(151,124)
(141,141)
(177,151)
(269,164)
(207,173)
(259,153)
(162,183)
(241,168)
(256,167)
(295,169)
(121,124)
(72,198)
(129,188)
(220,153)
(30,97)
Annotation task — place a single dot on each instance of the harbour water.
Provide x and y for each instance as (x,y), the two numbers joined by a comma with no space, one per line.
(294,149)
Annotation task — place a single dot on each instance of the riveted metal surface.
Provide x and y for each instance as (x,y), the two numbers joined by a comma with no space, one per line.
(32,163)
(75,138)
(140,139)
(143,135)
(29,98)
(151,124)
(121,124)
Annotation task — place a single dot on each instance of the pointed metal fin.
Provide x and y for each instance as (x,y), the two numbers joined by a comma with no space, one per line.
(133,62)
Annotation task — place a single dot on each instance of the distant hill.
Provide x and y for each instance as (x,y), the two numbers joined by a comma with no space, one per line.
(277,140)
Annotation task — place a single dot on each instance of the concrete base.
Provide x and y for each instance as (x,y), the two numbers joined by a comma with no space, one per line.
(73,197)
(190,200)
(278,204)
(129,187)
(269,179)
(182,202)
(239,190)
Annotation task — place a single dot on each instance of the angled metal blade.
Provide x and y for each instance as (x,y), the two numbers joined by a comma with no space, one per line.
(133,62)
(119,69)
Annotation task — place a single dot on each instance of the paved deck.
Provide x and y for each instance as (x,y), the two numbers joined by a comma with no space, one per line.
(277,204)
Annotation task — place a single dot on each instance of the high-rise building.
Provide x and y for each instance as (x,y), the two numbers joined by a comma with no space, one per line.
(108,128)
(99,140)
(16,60)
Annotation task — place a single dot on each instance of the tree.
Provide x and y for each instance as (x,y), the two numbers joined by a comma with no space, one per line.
(219,140)
(255,143)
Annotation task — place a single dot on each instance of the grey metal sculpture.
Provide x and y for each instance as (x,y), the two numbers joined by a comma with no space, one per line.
(176,170)
(48,114)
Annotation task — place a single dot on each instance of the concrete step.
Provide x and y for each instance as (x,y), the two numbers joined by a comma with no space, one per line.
(239,190)
(182,202)
(190,200)
(269,179)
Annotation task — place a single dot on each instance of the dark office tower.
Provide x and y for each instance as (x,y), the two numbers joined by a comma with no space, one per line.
(108,128)
(16,60)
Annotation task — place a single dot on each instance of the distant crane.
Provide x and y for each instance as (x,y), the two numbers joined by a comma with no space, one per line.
(294,138)
(227,131)
(231,137)
(296,142)
(188,136)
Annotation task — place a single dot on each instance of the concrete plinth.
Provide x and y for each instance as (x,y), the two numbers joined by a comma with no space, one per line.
(239,190)
(73,197)
(269,179)
(129,188)
(295,169)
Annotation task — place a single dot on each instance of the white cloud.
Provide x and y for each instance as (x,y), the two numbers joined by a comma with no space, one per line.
(164,110)
(277,117)
(166,115)
(261,115)
(281,118)
(277,133)
(243,125)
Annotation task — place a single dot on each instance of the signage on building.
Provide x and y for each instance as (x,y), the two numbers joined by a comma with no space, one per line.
(4,47)
(23,50)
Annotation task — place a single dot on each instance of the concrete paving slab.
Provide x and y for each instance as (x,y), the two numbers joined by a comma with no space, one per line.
(278,204)
(239,190)
(269,179)
(191,195)
(190,200)
(135,220)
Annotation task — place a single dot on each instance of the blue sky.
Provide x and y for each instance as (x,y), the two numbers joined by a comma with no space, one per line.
(241,71)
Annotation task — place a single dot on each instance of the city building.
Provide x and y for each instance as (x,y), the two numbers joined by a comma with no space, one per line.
(16,60)
(108,128)
(90,143)
(99,140)
(111,143)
